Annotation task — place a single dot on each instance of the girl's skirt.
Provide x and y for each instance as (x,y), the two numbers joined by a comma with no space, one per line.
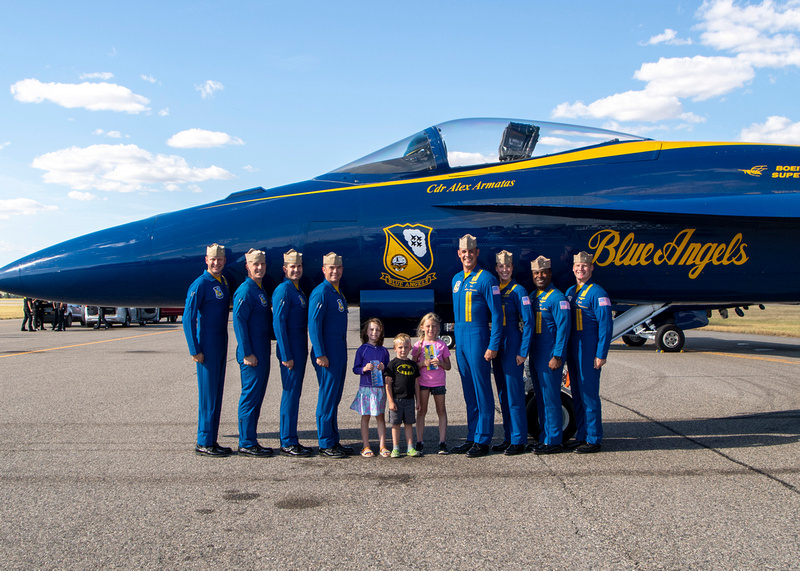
(369,401)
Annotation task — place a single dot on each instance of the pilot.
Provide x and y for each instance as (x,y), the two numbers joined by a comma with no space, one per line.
(327,327)
(252,324)
(476,304)
(590,337)
(510,361)
(548,351)
(290,322)
(205,324)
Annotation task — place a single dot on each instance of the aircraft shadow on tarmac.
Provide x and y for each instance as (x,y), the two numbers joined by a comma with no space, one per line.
(744,431)
(771,348)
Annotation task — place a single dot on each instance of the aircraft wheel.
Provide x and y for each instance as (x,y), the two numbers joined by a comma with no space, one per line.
(449,339)
(670,338)
(634,340)
(532,412)
(569,425)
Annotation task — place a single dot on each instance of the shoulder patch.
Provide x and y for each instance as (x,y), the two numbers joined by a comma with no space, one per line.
(495,290)
(603,302)
(457,286)
(563,305)
(526,300)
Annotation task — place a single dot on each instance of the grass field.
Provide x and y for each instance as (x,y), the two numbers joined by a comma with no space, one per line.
(781,320)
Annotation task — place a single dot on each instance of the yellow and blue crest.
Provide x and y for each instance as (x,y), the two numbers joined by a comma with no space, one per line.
(407,257)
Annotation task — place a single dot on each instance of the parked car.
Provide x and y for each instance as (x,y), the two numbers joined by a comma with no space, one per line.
(122,315)
(171,313)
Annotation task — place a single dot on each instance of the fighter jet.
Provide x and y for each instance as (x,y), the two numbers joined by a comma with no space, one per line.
(668,223)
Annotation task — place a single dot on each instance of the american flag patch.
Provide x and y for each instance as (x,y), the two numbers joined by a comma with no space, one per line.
(495,290)
(526,300)
(603,301)
(563,305)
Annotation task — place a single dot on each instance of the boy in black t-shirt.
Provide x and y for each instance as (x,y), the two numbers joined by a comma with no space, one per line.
(402,394)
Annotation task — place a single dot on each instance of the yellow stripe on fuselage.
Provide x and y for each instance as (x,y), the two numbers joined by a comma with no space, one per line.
(621,149)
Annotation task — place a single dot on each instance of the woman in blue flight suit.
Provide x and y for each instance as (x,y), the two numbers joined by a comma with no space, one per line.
(590,337)
(510,361)
(252,324)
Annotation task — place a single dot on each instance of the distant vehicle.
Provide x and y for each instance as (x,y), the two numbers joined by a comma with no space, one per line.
(74,313)
(122,315)
(171,313)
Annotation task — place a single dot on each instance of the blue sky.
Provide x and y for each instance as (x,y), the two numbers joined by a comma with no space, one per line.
(116,111)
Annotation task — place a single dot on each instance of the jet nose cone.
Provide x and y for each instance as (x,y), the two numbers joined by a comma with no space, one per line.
(82,270)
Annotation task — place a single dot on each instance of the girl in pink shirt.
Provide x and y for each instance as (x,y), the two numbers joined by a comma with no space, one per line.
(433,358)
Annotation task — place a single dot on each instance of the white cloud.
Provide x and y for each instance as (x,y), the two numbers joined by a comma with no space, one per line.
(112,134)
(121,168)
(628,106)
(208,88)
(22,206)
(250,168)
(148,78)
(202,139)
(668,36)
(4,145)
(698,77)
(81,196)
(100,75)
(762,34)
(92,96)
(776,130)
(164,112)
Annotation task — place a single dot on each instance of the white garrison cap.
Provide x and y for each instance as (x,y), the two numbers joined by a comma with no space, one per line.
(292,257)
(582,258)
(331,259)
(504,258)
(254,256)
(540,263)
(467,242)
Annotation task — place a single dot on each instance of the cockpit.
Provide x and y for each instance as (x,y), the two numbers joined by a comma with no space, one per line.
(467,143)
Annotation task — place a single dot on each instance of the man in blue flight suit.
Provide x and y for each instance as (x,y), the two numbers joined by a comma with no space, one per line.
(290,322)
(590,337)
(548,350)
(476,304)
(205,324)
(510,361)
(252,324)
(327,327)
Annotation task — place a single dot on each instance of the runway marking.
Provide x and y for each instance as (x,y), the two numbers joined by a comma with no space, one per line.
(753,357)
(84,344)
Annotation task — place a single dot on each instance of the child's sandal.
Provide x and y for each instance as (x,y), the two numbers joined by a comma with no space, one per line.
(385,452)
(367,452)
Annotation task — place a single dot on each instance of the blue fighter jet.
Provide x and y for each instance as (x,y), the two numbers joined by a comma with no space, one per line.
(669,223)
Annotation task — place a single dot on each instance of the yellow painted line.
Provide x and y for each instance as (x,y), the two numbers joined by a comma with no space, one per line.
(751,357)
(90,343)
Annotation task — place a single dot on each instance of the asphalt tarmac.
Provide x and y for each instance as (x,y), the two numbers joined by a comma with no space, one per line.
(699,469)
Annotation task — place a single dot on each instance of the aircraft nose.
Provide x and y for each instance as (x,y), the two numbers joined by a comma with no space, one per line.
(85,269)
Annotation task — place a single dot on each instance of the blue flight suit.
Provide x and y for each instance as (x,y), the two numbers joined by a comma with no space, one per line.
(205,325)
(508,376)
(590,337)
(550,335)
(476,304)
(327,327)
(252,324)
(290,322)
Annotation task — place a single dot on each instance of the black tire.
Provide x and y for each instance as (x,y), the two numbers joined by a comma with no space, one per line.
(449,339)
(569,425)
(670,338)
(173,318)
(634,340)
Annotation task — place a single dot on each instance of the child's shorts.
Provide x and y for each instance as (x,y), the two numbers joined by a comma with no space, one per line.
(405,412)
(435,390)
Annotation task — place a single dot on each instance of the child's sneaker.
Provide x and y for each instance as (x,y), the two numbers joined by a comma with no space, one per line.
(396,453)
(420,446)
(413,452)
(443,449)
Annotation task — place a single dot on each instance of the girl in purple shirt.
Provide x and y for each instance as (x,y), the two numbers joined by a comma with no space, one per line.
(371,359)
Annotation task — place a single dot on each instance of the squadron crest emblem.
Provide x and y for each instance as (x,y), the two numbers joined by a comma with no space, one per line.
(407,257)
